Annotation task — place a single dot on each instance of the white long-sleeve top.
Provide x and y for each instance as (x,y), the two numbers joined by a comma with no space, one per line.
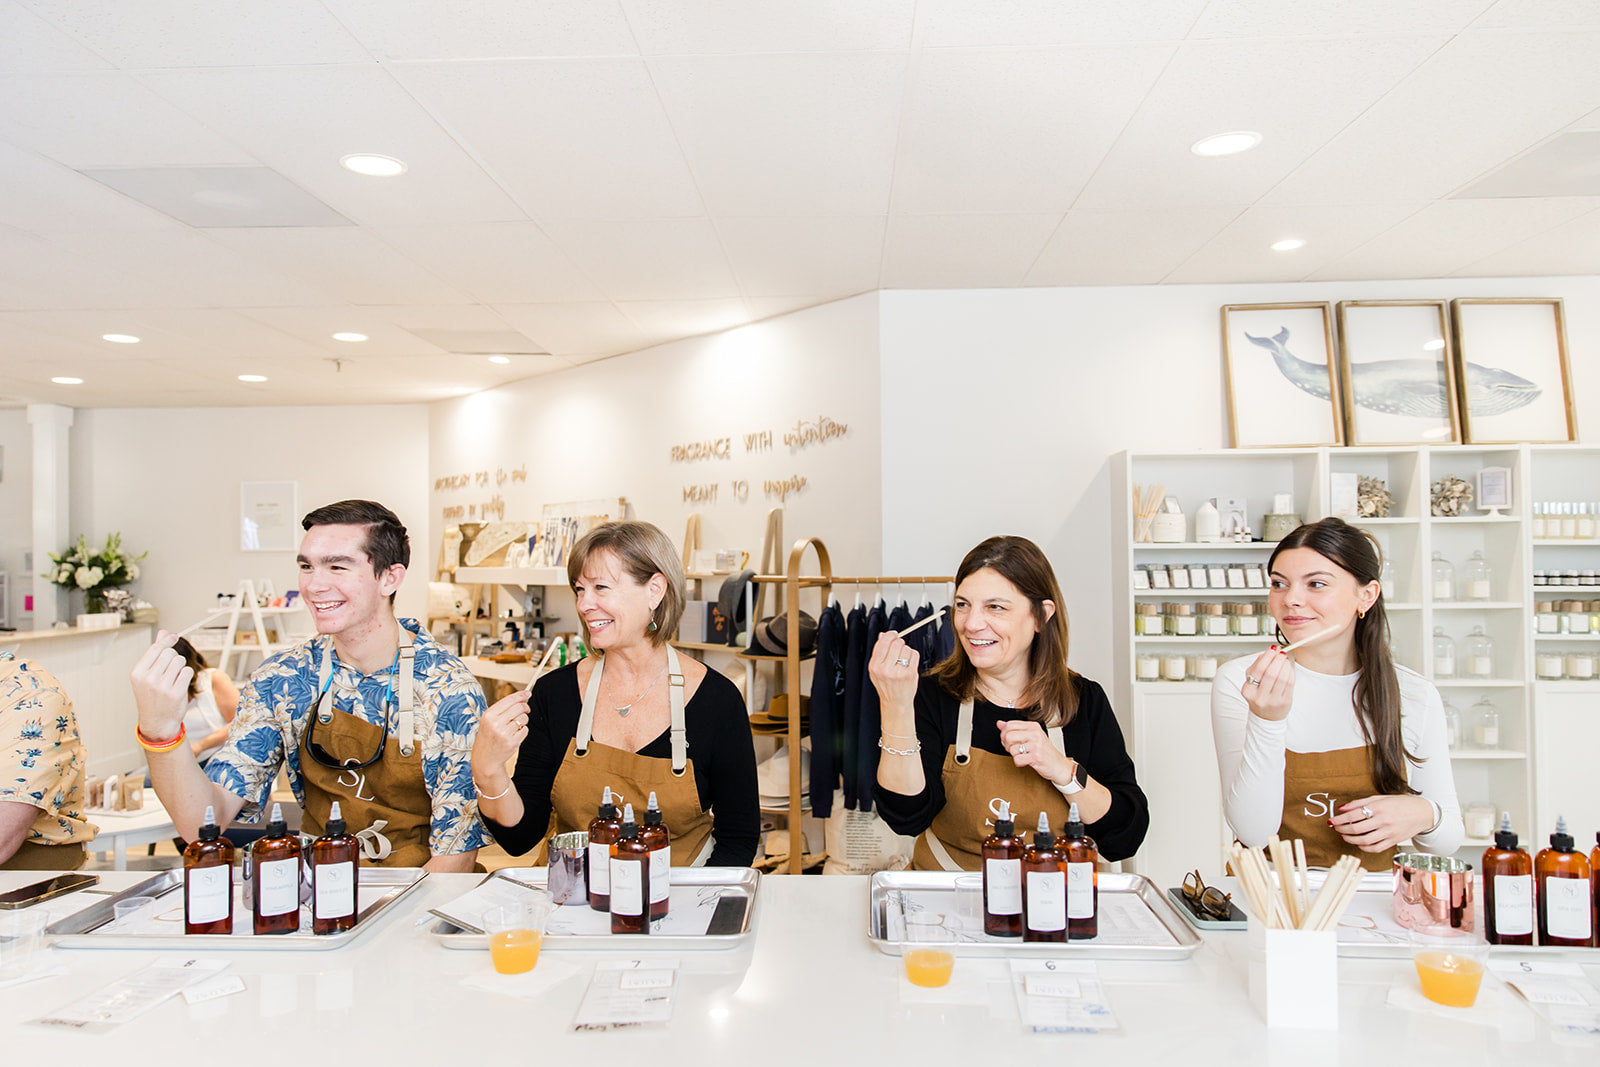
(1250,750)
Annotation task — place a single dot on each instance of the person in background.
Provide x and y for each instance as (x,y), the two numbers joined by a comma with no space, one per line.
(42,771)
(1003,717)
(632,717)
(213,700)
(1333,743)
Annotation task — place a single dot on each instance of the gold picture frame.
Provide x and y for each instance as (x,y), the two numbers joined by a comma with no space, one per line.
(1290,396)
(1510,353)
(1398,374)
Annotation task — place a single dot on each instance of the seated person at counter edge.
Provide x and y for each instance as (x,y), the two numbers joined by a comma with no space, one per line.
(632,716)
(1335,745)
(371,712)
(1003,717)
(42,769)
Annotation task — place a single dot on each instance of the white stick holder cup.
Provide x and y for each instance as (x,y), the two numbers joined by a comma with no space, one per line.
(1294,977)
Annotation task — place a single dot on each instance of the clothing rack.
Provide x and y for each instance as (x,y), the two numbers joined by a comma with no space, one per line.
(790,583)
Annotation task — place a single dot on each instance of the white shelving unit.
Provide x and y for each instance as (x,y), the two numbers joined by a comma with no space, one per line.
(515,581)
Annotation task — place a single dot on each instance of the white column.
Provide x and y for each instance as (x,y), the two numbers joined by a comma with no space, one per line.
(51,490)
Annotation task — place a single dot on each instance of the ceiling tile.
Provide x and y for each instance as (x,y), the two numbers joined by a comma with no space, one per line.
(567,138)
(1541,14)
(499,263)
(790,256)
(199,33)
(386,327)
(1027,23)
(1273,18)
(576,329)
(205,197)
(43,197)
(962,251)
(179,267)
(1217,86)
(486,29)
(29,43)
(1019,130)
(787,134)
(1241,251)
(1571,247)
(1124,248)
(348,264)
(767,307)
(648,259)
(720,27)
(672,320)
(1565,165)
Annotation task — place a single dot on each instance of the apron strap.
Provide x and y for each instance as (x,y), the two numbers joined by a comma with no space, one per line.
(374,846)
(680,742)
(963,736)
(940,853)
(324,690)
(591,696)
(705,853)
(405,671)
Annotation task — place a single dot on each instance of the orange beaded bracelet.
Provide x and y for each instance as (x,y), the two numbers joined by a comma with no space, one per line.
(160,746)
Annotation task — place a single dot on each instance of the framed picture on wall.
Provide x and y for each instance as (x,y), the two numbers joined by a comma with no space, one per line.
(268,521)
(1283,387)
(1511,370)
(1397,373)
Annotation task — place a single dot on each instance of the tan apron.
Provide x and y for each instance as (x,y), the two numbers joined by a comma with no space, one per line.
(972,780)
(1314,785)
(31,856)
(386,805)
(589,767)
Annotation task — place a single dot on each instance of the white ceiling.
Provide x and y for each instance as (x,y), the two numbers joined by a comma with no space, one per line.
(604,175)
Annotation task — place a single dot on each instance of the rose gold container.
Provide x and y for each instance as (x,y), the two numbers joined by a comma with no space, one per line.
(1432,891)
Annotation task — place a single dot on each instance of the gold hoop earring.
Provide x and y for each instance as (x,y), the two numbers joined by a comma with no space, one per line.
(1361,613)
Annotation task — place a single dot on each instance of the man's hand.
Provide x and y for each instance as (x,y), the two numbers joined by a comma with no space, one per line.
(161,689)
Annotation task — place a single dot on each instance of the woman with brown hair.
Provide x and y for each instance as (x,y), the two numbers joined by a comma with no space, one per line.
(632,717)
(1336,745)
(1003,718)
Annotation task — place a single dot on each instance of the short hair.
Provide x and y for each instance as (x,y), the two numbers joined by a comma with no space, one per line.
(644,552)
(386,543)
(196,662)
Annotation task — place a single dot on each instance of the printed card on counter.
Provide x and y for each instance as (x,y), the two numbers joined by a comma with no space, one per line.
(628,995)
(128,998)
(467,910)
(1556,990)
(1061,997)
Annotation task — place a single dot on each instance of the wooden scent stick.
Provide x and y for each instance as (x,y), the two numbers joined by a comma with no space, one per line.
(919,625)
(1302,875)
(1308,640)
(539,670)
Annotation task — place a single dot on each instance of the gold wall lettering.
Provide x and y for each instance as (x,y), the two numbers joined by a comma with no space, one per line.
(814,433)
(455,511)
(701,494)
(784,487)
(712,448)
(760,441)
(452,481)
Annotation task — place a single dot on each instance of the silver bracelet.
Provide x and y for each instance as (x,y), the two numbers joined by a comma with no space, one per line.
(497,796)
(899,751)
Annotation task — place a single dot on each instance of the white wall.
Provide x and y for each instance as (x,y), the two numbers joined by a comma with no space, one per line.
(168,481)
(606,430)
(1002,408)
(16,505)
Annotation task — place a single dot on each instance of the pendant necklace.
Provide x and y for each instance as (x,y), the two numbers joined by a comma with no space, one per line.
(624,710)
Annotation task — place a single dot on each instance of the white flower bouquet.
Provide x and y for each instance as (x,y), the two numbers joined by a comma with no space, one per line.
(95,572)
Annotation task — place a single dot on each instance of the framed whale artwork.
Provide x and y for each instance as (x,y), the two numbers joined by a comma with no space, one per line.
(1397,370)
(1512,372)
(1283,385)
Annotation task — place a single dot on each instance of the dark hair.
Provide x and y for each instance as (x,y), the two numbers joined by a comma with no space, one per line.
(1377,695)
(387,543)
(643,551)
(1052,685)
(195,661)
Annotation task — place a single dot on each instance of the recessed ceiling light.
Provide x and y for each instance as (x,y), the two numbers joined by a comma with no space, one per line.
(252,377)
(1226,144)
(120,338)
(1288,244)
(1433,345)
(350,337)
(499,359)
(373,166)
(67,381)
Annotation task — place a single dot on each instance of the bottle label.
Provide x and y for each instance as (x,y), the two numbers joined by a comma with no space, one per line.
(1442,590)
(660,874)
(1480,666)
(599,869)
(1444,666)
(1003,882)
(1513,904)
(210,893)
(278,886)
(336,890)
(1478,590)
(1566,907)
(627,892)
(1080,890)
(1047,900)
(1489,736)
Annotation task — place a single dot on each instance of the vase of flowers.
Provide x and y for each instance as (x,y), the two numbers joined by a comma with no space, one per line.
(94,572)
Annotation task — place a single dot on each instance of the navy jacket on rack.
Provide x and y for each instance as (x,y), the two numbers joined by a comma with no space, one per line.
(871,720)
(855,673)
(827,709)
(925,641)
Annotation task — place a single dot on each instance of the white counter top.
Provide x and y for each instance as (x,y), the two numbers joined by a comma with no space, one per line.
(807,989)
(22,637)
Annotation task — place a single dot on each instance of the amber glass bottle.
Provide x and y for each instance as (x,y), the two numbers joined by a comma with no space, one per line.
(603,831)
(276,906)
(208,881)
(1565,896)
(1044,887)
(335,876)
(1002,876)
(659,841)
(630,879)
(1507,889)
(1083,879)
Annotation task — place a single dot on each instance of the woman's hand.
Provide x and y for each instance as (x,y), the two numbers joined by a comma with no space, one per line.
(893,670)
(1026,742)
(500,734)
(1269,685)
(1373,824)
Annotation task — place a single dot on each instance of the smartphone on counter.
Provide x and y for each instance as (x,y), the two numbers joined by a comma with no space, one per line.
(50,888)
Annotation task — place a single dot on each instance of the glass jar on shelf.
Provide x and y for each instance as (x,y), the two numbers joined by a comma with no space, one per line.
(1444,578)
(1478,821)
(1147,620)
(1549,666)
(1212,622)
(1148,668)
(1444,654)
(1575,617)
(1243,620)
(1452,726)
(1180,620)
(1485,724)
(1580,665)
(1536,524)
(1202,667)
(1174,667)
(1569,521)
(1386,579)
(1480,654)
(1586,524)
(1476,580)
(1546,620)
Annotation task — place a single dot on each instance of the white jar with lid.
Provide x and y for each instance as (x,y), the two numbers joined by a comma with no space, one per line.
(1550,666)
(1580,666)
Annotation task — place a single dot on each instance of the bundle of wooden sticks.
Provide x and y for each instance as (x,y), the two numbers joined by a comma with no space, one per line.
(1289,905)
(1146,502)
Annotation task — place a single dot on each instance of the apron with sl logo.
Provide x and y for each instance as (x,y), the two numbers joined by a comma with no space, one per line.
(1314,785)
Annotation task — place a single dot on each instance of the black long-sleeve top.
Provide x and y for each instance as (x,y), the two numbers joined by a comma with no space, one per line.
(717,730)
(1093,738)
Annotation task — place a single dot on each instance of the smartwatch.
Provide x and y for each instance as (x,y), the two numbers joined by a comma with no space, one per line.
(1079,779)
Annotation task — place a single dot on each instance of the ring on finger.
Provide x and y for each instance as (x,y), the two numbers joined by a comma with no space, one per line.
(1366,812)
(1251,681)
(902,662)
(1022,750)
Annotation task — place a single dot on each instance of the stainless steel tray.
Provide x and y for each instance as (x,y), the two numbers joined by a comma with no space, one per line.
(1367,930)
(1137,922)
(723,898)
(96,927)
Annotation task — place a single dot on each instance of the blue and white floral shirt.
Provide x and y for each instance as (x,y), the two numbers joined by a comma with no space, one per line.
(42,761)
(276,702)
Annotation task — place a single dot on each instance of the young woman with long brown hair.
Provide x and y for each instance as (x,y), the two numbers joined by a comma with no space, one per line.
(1333,743)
